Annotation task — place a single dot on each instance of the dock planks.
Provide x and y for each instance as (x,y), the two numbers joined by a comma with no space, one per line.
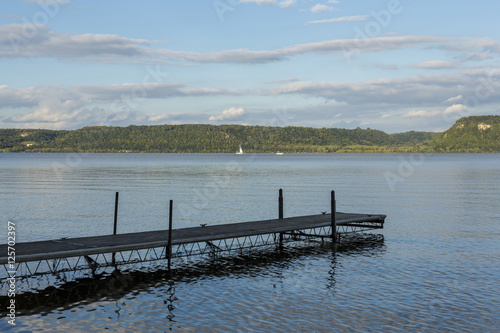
(81,246)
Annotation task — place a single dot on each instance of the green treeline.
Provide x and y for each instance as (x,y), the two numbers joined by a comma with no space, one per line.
(472,134)
(227,139)
(195,139)
(414,137)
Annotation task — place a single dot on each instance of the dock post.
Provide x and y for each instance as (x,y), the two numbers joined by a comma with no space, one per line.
(116,214)
(280,212)
(333,218)
(280,205)
(169,246)
(115,225)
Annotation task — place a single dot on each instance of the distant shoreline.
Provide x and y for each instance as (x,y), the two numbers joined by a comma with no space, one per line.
(474,134)
(247,154)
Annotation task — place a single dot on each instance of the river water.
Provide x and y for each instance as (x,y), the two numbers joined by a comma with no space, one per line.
(434,267)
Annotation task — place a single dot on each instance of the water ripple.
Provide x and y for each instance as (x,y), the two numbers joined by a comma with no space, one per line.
(435,270)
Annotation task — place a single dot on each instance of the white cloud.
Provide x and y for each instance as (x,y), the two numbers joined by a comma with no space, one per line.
(386,115)
(158,117)
(320,8)
(59,106)
(260,2)
(434,64)
(49,2)
(35,40)
(229,114)
(421,113)
(477,56)
(454,100)
(282,3)
(47,117)
(475,49)
(485,44)
(126,95)
(212,92)
(127,91)
(338,46)
(341,19)
(43,115)
(455,108)
(43,42)
(287,3)
(16,98)
(385,66)
(459,109)
(343,46)
(97,116)
(288,79)
(419,90)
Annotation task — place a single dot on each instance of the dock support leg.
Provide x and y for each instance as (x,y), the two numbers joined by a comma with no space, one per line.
(280,204)
(116,214)
(333,217)
(115,225)
(169,246)
(280,213)
(92,264)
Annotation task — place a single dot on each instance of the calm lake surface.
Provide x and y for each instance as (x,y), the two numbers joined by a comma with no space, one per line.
(434,268)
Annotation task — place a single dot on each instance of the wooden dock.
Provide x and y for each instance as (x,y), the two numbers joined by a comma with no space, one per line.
(82,246)
(81,253)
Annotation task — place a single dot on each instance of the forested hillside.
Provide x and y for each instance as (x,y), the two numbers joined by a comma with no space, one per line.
(196,138)
(27,139)
(414,137)
(470,134)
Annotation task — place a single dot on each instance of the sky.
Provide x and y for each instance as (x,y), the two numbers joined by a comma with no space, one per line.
(392,65)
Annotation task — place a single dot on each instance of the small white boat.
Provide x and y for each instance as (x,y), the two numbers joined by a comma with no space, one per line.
(240,152)
(278,153)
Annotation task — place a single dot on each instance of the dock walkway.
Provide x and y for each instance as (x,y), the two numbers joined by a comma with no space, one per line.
(84,246)
(83,253)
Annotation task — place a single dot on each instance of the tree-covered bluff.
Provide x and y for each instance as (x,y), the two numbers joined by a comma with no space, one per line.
(474,134)
(193,139)
(468,134)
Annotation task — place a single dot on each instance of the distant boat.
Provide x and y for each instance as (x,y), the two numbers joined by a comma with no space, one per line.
(278,153)
(240,152)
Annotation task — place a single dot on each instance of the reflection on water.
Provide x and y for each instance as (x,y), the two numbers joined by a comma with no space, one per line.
(436,270)
(112,286)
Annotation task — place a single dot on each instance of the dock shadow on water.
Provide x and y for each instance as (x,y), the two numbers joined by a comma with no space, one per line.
(65,293)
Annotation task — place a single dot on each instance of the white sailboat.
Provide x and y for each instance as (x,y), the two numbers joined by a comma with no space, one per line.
(240,152)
